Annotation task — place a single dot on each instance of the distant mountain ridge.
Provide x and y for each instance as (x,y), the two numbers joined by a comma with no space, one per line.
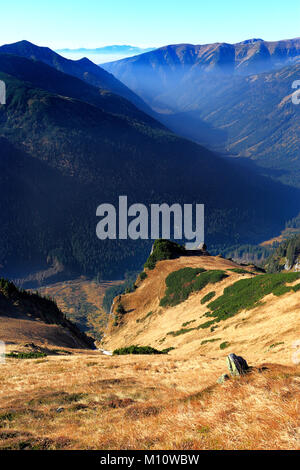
(83,69)
(251,41)
(124,49)
(176,70)
(231,98)
(100,55)
(246,57)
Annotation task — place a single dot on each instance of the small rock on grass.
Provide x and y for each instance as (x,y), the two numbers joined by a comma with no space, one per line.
(223,378)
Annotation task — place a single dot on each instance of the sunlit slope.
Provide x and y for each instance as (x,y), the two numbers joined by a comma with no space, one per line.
(35,321)
(259,319)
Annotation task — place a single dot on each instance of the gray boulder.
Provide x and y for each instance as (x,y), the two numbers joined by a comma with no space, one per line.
(237,365)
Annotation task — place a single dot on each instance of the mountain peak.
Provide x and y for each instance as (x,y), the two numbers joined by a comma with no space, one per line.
(85,60)
(251,41)
(96,76)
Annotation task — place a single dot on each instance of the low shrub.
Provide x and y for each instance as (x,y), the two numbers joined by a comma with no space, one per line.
(143,276)
(182,331)
(165,351)
(240,271)
(188,322)
(246,293)
(206,324)
(136,350)
(120,309)
(26,355)
(180,284)
(205,341)
(139,320)
(296,287)
(276,344)
(162,250)
(208,297)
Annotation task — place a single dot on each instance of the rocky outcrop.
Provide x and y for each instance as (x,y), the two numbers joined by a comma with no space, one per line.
(237,366)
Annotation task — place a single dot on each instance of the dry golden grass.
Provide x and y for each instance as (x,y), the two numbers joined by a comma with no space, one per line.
(85,400)
(90,401)
(15,332)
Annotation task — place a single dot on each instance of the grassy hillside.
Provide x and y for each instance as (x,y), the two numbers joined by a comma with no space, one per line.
(205,305)
(24,313)
(171,400)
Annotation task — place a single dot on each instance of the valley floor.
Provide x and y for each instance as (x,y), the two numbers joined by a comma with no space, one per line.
(90,401)
(81,300)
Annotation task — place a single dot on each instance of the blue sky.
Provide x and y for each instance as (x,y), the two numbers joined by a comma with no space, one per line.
(94,23)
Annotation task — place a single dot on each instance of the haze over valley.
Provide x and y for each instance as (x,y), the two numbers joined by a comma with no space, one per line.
(149,228)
